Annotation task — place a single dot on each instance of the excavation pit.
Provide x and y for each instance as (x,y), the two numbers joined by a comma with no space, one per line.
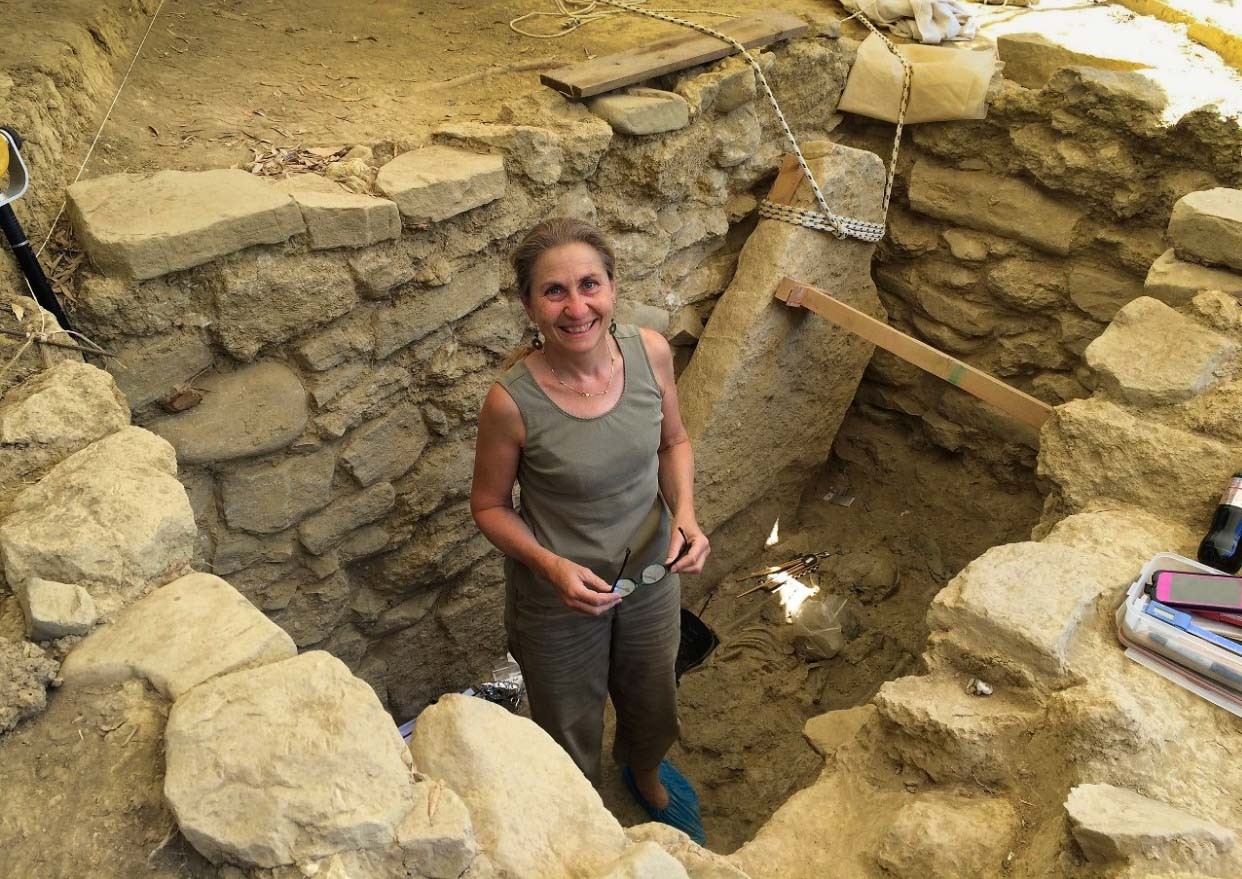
(314,336)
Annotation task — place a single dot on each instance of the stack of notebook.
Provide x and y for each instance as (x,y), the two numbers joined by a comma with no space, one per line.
(1188,637)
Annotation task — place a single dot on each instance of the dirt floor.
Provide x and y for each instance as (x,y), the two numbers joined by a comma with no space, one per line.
(915,516)
(221,80)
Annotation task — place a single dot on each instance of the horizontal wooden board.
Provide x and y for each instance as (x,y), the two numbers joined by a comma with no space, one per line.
(975,382)
(691,48)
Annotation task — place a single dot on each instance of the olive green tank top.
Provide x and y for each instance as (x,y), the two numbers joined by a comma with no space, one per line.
(589,487)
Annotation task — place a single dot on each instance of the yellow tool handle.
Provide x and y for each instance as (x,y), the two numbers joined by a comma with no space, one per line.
(4,156)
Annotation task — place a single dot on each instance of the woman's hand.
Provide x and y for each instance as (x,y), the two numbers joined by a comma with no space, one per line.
(580,589)
(696,556)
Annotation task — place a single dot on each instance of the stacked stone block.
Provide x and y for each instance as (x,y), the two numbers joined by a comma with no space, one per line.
(1014,240)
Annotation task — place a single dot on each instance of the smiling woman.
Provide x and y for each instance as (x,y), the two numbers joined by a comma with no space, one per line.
(586,422)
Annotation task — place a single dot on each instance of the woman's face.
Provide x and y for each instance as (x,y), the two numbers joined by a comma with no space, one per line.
(571,297)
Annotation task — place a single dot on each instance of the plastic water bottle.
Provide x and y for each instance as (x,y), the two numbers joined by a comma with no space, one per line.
(1222,547)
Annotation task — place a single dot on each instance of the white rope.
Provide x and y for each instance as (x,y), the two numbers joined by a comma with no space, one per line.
(840,226)
(579,13)
(99,132)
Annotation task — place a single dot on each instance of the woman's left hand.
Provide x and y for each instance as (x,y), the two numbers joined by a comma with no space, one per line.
(696,556)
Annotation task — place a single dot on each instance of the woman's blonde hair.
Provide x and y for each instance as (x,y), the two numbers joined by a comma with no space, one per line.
(552,233)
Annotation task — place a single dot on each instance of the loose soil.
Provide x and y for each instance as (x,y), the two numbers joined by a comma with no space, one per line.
(919,512)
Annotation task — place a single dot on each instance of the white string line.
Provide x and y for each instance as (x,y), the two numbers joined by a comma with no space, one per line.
(99,132)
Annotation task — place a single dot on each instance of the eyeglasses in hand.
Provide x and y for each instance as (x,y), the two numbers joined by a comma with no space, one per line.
(651,573)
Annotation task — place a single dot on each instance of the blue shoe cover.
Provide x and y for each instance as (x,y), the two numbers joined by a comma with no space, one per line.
(682,811)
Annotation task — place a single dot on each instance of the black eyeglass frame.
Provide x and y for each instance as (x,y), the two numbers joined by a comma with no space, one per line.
(642,581)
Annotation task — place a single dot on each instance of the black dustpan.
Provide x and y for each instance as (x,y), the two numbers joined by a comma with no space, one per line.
(697,642)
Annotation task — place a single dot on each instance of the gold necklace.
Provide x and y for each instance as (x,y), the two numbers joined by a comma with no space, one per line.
(612,370)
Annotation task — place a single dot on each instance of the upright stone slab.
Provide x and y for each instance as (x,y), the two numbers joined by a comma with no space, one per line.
(438,182)
(267,497)
(195,628)
(1206,227)
(144,227)
(54,610)
(768,385)
(1150,355)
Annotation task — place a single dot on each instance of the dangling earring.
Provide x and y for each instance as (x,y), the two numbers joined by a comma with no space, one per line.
(612,328)
(536,341)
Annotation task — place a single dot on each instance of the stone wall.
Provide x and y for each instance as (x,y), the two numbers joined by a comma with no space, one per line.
(1014,240)
(316,348)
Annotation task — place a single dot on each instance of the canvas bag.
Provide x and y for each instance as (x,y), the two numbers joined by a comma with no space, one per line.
(947,83)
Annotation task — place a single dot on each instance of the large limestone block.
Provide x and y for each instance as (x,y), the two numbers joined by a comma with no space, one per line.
(437,182)
(421,313)
(268,497)
(1150,355)
(1030,59)
(151,369)
(194,629)
(1111,824)
(144,227)
(952,735)
(989,203)
(270,297)
(645,860)
(1097,453)
(642,111)
(112,518)
(1206,227)
(521,788)
(698,862)
(347,219)
(1129,535)
(253,411)
(23,684)
(1021,604)
(768,386)
(942,836)
(1177,282)
(329,526)
(286,763)
(54,610)
(54,414)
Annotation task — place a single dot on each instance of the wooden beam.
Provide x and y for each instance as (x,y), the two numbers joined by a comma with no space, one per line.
(787,181)
(689,49)
(975,382)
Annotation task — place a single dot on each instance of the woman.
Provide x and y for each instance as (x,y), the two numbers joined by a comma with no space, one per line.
(586,422)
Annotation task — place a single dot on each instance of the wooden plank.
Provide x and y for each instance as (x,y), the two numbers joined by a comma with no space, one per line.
(672,54)
(787,181)
(975,382)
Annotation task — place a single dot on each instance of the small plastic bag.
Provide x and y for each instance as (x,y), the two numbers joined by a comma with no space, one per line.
(819,626)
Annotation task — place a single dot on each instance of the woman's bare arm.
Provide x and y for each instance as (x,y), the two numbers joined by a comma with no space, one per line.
(676,461)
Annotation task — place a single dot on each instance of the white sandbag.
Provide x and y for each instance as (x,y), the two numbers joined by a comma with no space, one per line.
(947,83)
(928,21)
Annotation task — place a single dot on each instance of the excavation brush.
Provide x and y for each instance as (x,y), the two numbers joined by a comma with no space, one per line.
(13,171)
